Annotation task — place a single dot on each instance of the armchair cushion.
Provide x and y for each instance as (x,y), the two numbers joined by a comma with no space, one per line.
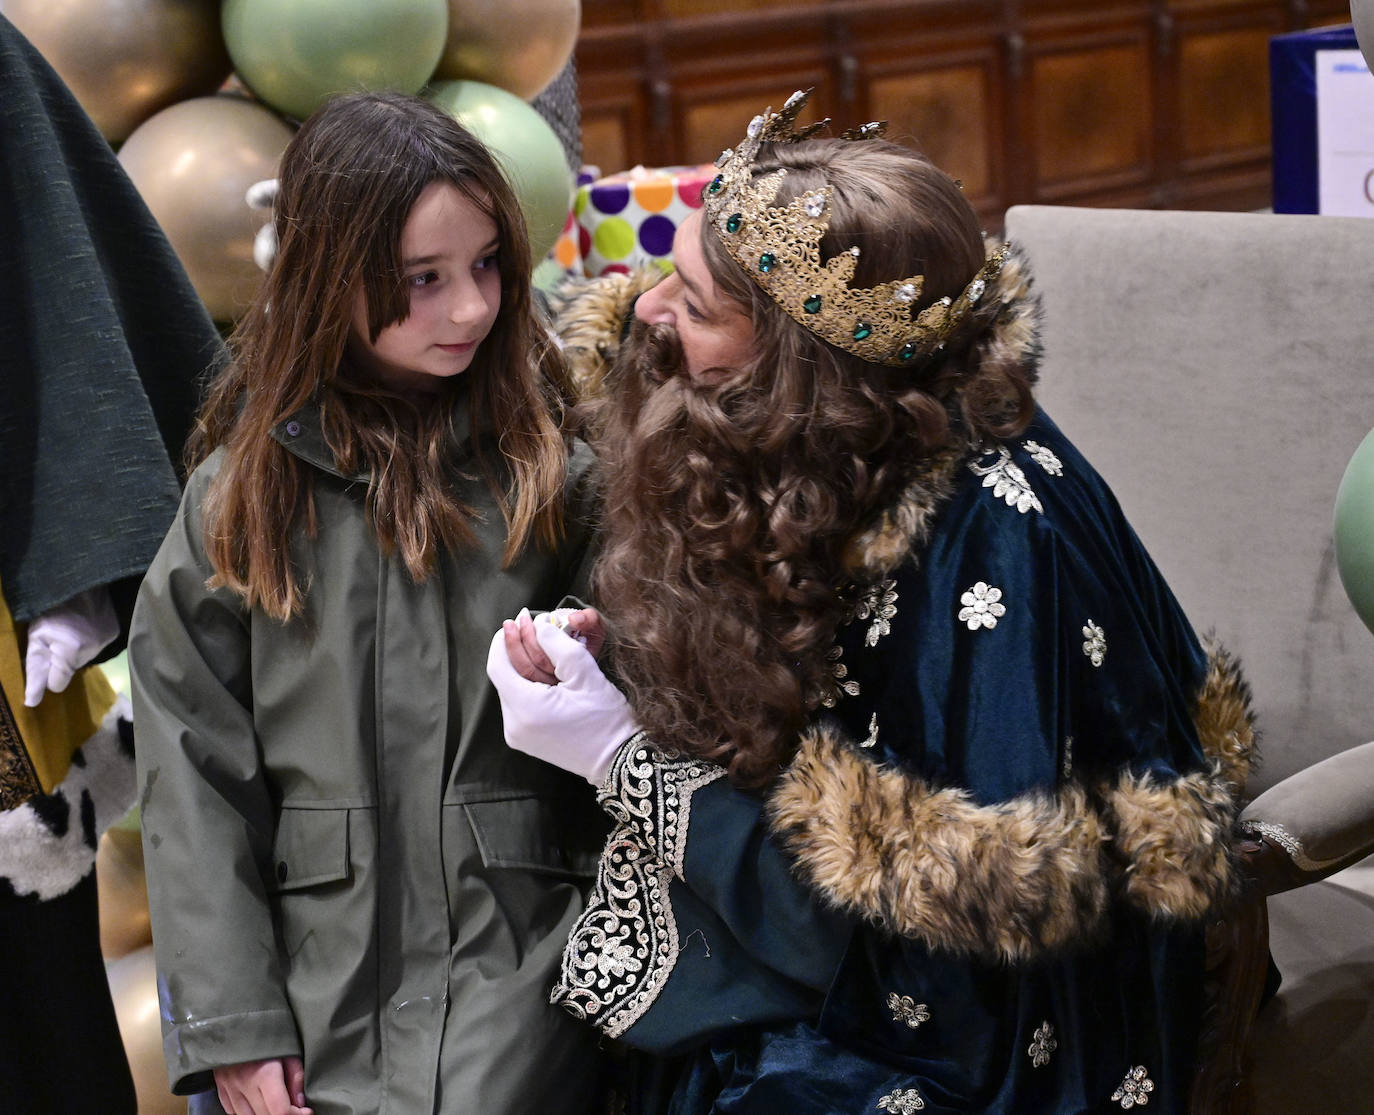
(1215,368)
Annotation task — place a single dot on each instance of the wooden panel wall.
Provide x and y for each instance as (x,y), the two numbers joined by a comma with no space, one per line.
(1144,103)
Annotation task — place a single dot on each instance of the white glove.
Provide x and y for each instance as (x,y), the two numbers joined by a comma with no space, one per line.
(64,640)
(578,724)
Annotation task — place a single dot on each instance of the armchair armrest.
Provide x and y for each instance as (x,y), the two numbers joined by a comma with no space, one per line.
(1307,827)
(1313,823)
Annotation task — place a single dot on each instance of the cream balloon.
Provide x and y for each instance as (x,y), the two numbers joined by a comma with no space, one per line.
(518,45)
(126,59)
(193,164)
(123,893)
(133,987)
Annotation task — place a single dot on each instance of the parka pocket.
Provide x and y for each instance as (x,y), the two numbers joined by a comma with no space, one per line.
(310,848)
(534,834)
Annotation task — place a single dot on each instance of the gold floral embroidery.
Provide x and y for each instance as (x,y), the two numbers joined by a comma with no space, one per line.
(872,740)
(981,606)
(1068,757)
(18,778)
(1007,481)
(1042,1045)
(624,946)
(1045,458)
(840,672)
(905,1009)
(902,1101)
(1095,643)
(880,603)
(1135,1089)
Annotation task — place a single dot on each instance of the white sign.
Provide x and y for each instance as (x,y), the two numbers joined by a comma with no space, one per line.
(1345,134)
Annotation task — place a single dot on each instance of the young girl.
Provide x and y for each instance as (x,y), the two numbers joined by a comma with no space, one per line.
(359,895)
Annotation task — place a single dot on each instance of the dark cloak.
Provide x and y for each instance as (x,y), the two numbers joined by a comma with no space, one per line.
(103,345)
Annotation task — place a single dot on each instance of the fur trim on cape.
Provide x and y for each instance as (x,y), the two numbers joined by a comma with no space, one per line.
(588,316)
(1225,715)
(48,844)
(1011,881)
(903,529)
(1172,843)
(1175,840)
(1013,340)
(1004,882)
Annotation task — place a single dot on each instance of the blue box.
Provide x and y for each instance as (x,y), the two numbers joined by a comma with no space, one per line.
(1293,110)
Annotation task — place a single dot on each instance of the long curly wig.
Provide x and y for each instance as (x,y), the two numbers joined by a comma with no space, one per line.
(729,504)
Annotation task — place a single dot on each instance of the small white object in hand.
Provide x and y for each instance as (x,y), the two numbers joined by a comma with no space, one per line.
(560,617)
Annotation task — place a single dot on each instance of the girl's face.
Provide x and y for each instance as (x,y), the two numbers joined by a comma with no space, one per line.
(451,268)
(714,331)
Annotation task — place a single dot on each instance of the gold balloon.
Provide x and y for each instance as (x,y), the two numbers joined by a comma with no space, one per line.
(126,59)
(133,987)
(193,163)
(123,891)
(519,45)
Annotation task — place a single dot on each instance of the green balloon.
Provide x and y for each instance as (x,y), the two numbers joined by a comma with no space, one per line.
(294,54)
(1354,530)
(526,147)
(548,275)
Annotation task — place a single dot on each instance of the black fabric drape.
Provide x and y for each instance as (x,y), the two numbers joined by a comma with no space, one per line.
(103,343)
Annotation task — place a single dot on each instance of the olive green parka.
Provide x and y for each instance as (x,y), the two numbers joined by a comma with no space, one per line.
(345,862)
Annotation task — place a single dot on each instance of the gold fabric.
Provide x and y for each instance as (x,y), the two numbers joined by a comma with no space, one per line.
(37,744)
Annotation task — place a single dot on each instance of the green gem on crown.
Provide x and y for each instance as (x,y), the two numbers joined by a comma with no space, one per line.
(907,351)
(767,262)
(716,183)
(862,331)
(736,219)
(813,304)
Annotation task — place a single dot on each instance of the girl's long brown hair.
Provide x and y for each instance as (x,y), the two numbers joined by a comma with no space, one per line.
(729,507)
(348,181)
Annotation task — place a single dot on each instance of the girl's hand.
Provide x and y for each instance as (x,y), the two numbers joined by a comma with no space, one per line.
(275,1087)
(579,721)
(528,657)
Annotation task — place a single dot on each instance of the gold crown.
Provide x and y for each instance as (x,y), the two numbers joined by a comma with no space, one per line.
(779,248)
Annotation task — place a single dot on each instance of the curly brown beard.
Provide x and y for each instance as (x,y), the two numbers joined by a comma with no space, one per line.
(730,505)
(727,510)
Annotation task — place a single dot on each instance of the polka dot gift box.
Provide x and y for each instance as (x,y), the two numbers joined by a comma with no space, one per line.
(626,221)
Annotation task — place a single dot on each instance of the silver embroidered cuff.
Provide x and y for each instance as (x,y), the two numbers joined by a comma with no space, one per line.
(623,948)
(649,792)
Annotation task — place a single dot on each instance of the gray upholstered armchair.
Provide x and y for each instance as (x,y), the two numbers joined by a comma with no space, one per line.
(1314,823)
(1218,368)
(1306,829)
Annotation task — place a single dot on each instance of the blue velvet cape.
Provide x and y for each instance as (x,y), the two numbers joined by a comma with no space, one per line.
(979,887)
